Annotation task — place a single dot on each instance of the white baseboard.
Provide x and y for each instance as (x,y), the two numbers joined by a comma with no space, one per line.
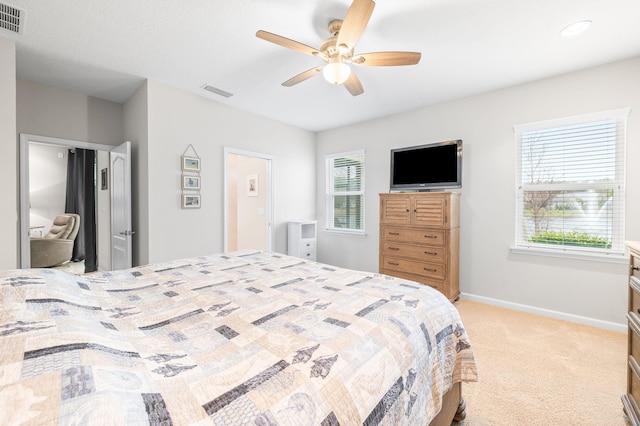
(607,325)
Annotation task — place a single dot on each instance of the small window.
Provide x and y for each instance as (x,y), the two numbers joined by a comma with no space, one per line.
(570,185)
(345,192)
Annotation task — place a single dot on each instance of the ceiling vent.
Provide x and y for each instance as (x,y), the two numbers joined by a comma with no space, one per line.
(11,18)
(210,88)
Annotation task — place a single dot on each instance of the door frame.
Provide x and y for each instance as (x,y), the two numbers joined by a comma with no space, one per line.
(25,139)
(270,194)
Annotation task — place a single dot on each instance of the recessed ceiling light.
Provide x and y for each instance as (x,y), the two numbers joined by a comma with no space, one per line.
(575,28)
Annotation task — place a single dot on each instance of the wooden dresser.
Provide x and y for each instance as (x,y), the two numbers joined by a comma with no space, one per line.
(419,238)
(631,399)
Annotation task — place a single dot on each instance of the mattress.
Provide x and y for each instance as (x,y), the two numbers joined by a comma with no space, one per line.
(227,339)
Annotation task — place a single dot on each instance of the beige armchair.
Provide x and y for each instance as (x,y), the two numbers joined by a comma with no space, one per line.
(56,247)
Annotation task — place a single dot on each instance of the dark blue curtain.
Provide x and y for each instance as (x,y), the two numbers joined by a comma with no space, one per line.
(81,199)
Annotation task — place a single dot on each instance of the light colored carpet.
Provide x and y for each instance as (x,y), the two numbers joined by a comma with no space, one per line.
(536,370)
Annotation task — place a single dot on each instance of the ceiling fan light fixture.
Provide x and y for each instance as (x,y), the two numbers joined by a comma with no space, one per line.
(336,72)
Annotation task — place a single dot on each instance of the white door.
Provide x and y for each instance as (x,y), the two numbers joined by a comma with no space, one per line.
(121,233)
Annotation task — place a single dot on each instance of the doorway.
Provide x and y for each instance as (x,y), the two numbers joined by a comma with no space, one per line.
(248,205)
(37,216)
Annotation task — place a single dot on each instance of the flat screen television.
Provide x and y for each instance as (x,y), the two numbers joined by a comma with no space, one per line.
(427,167)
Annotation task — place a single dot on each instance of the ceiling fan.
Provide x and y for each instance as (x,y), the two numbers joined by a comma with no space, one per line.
(338,50)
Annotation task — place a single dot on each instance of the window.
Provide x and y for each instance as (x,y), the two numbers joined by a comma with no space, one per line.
(570,185)
(345,192)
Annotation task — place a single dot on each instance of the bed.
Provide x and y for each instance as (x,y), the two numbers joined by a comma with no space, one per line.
(238,338)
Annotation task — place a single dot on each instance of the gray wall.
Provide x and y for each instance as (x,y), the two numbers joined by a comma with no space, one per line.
(580,290)
(137,132)
(46,111)
(9,157)
(177,119)
(161,122)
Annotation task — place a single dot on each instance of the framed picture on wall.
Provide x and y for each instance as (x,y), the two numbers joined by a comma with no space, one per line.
(190,182)
(252,185)
(190,201)
(191,164)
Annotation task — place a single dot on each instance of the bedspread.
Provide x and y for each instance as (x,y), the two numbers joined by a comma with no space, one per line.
(238,338)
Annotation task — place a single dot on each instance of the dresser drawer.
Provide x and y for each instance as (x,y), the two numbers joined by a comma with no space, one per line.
(635,267)
(308,254)
(634,335)
(430,254)
(408,235)
(426,269)
(634,379)
(307,245)
(634,295)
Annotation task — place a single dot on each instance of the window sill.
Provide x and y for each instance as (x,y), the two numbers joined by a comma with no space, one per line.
(345,232)
(572,254)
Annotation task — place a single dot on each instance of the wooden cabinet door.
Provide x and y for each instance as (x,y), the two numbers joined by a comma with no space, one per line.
(395,210)
(429,211)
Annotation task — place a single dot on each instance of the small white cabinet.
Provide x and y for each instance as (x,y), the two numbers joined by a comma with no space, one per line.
(301,239)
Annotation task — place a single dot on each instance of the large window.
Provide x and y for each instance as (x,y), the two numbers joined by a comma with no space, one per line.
(570,185)
(345,192)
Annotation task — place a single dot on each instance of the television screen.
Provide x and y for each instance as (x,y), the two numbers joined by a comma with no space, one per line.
(424,167)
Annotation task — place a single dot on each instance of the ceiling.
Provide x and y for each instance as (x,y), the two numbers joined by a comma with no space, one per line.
(107,48)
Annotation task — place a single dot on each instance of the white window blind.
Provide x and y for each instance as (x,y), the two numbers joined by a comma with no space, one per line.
(345,192)
(570,184)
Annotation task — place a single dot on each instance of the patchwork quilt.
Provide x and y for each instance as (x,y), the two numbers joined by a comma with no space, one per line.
(229,339)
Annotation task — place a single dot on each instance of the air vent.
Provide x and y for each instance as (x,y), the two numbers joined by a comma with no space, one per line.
(11,18)
(217,91)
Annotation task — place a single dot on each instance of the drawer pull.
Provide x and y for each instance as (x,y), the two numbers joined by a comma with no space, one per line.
(433,237)
(430,253)
(394,264)
(394,233)
(635,268)
(430,270)
(394,248)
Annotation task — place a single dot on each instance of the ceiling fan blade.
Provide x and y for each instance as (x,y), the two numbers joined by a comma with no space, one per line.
(287,42)
(302,76)
(354,23)
(353,84)
(383,59)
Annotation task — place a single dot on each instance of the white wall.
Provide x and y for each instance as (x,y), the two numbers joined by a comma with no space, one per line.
(177,119)
(485,123)
(47,185)
(9,157)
